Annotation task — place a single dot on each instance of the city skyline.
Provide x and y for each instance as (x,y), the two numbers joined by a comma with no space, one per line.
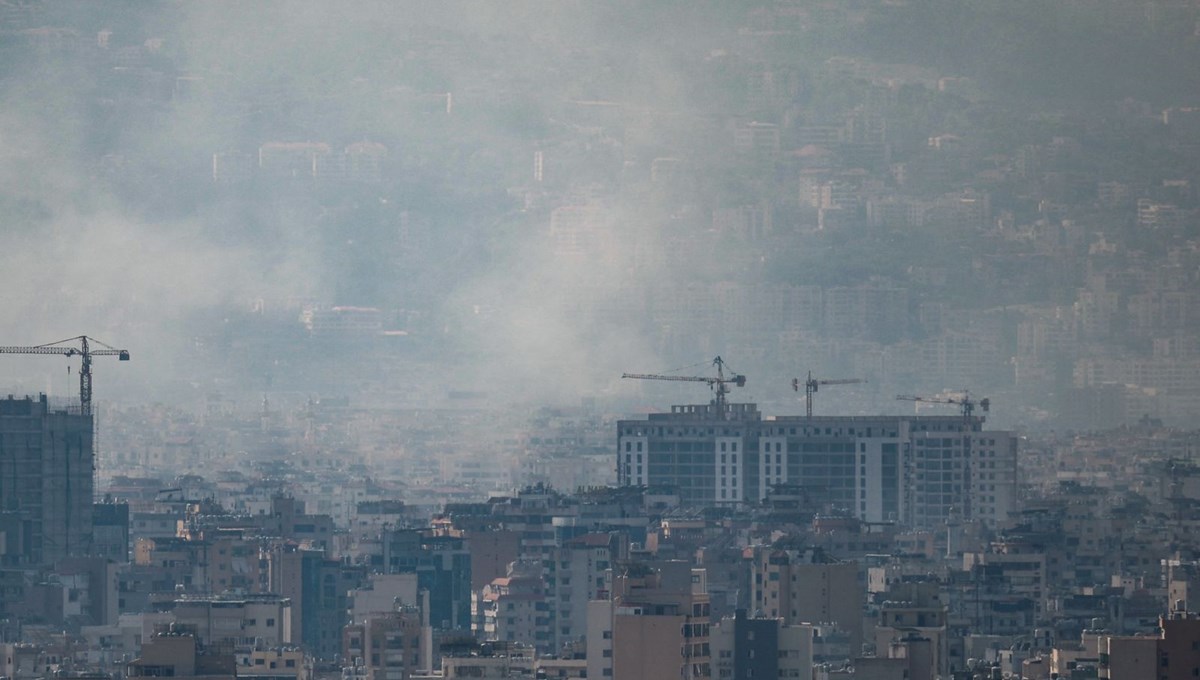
(635,339)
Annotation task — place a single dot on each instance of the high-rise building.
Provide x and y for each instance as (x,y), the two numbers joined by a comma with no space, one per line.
(46,461)
(917,470)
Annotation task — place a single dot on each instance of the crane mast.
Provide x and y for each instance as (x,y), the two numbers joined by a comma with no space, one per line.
(81,347)
(719,385)
(812,384)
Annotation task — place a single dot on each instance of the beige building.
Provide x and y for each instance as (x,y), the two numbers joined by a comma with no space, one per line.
(388,646)
(382,594)
(1174,655)
(285,663)
(1128,657)
(178,654)
(1021,566)
(808,587)
(240,623)
(655,626)
(513,609)
(912,626)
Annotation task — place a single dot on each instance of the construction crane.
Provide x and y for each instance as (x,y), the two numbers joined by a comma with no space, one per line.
(719,385)
(80,346)
(812,384)
(965,403)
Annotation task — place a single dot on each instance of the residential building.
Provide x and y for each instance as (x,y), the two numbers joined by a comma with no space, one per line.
(656,624)
(443,568)
(912,625)
(746,647)
(515,608)
(237,623)
(807,586)
(177,653)
(388,646)
(318,589)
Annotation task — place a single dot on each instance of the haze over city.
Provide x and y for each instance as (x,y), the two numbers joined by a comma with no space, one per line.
(559,193)
(402,254)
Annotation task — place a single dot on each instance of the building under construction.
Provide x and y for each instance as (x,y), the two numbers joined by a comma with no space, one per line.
(920,471)
(46,482)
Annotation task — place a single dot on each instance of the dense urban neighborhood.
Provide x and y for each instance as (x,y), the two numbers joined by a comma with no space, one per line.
(414,310)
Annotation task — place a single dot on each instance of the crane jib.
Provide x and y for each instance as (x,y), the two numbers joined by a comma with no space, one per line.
(83,350)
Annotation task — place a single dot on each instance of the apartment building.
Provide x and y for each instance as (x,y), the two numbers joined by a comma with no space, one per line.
(807,586)
(656,624)
(759,647)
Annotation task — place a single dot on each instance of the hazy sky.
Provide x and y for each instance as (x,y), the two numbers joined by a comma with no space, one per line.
(113,226)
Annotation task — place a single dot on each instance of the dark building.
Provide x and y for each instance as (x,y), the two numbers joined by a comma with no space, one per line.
(46,465)
(110,531)
(745,648)
(443,567)
(319,589)
(756,647)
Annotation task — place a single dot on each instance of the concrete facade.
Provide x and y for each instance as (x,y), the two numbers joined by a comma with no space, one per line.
(918,470)
(46,463)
